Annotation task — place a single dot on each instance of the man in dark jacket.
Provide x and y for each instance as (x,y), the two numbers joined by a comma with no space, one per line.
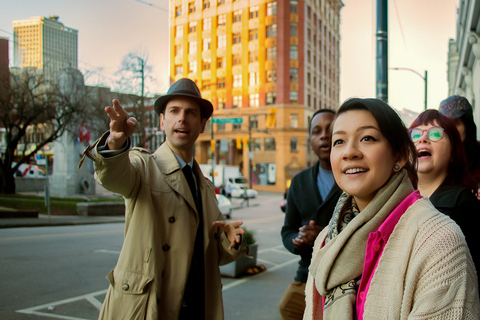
(311,199)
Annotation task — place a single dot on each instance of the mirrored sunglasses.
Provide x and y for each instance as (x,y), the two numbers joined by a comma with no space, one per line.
(433,133)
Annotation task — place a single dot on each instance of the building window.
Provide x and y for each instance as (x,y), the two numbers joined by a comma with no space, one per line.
(220,63)
(257,144)
(293,52)
(222,41)
(237,101)
(271,98)
(253,122)
(179,31)
(207,24)
(236,59)
(220,126)
(192,27)
(294,75)
(221,83)
(222,20)
(293,96)
(252,34)
(178,69)
(293,120)
(269,144)
(254,78)
(271,8)
(254,100)
(220,103)
(220,2)
(178,50)
(206,44)
(237,38)
(192,66)
(237,16)
(272,53)
(191,7)
(237,127)
(293,6)
(293,144)
(272,75)
(293,30)
(272,31)
(237,80)
(253,56)
(178,11)
(206,64)
(192,47)
(206,84)
(206,4)
(253,12)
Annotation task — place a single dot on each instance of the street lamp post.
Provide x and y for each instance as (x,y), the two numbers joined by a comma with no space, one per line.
(425,79)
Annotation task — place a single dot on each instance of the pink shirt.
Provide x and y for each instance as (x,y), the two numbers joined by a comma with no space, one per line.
(375,245)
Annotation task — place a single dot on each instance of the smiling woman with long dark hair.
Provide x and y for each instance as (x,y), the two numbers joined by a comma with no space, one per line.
(387,253)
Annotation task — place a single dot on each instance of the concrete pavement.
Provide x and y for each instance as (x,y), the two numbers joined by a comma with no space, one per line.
(44,220)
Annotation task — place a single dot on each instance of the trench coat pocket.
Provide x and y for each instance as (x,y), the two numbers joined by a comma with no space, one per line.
(128,295)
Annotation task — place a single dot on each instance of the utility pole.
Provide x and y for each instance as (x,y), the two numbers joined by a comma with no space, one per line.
(382,50)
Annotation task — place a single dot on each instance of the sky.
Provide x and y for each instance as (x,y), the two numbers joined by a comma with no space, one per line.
(419,31)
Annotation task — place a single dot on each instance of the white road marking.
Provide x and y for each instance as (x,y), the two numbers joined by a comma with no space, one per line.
(278,266)
(90,297)
(107,251)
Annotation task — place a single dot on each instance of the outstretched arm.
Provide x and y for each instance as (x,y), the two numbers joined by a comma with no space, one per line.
(232,230)
(121,125)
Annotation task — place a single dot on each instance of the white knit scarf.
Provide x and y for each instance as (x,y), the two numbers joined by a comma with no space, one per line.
(338,266)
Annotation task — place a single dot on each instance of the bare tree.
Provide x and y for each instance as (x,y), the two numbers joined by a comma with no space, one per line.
(134,74)
(33,113)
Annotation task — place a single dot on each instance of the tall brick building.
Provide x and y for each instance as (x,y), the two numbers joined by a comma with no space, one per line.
(252,58)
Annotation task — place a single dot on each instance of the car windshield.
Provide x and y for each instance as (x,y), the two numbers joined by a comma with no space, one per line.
(240,180)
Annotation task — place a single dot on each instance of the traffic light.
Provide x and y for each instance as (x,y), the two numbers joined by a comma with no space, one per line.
(271,117)
(245,142)
(239,143)
(212,145)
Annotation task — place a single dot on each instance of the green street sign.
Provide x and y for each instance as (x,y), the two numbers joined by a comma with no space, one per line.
(227,120)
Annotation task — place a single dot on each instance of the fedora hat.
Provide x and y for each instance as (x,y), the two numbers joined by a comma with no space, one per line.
(188,89)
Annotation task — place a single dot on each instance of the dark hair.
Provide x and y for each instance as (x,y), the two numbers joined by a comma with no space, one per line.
(391,127)
(315,114)
(457,167)
(472,148)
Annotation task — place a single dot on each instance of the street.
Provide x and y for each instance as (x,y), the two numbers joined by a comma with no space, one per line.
(59,272)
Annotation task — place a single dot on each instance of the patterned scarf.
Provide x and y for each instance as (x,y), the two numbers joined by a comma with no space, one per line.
(338,266)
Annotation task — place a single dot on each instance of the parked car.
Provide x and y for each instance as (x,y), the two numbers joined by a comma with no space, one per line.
(29,171)
(240,193)
(224,205)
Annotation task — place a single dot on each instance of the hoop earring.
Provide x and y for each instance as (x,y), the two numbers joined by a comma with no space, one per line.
(396,167)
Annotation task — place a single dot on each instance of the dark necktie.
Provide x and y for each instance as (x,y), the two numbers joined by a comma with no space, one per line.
(187,171)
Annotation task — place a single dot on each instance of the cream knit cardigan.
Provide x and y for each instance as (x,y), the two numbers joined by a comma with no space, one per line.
(425,272)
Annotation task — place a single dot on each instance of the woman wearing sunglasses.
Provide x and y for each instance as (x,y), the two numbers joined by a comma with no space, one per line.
(443,175)
(387,253)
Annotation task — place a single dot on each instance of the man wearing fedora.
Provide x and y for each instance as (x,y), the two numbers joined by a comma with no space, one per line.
(168,267)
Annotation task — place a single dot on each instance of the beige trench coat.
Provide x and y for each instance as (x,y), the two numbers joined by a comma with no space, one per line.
(161,221)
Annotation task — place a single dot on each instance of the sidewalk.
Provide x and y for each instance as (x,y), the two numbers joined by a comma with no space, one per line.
(44,221)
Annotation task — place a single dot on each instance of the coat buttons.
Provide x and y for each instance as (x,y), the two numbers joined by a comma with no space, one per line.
(125,287)
(166,247)
(171,219)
